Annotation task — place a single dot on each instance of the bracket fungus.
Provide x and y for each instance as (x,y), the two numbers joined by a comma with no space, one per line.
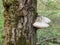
(41,22)
(45,19)
(40,25)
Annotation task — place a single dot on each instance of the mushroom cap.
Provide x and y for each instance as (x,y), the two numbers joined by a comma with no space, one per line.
(45,19)
(40,25)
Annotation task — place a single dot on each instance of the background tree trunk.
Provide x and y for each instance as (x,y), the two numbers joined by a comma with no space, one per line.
(19,15)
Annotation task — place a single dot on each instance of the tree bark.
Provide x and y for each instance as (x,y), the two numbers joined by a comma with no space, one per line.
(19,15)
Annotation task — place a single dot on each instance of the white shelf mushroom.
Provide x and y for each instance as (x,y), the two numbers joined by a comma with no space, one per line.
(42,22)
(45,19)
(40,25)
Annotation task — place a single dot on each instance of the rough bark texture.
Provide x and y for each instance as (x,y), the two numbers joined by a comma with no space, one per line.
(19,15)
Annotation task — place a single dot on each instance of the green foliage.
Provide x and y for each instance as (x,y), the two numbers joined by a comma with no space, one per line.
(1,21)
(51,10)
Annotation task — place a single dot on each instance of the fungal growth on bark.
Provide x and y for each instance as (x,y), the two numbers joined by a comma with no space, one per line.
(41,22)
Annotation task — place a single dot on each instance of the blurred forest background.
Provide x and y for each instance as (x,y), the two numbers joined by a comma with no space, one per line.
(50,9)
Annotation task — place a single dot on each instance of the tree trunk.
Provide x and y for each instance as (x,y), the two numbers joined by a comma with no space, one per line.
(19,15)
